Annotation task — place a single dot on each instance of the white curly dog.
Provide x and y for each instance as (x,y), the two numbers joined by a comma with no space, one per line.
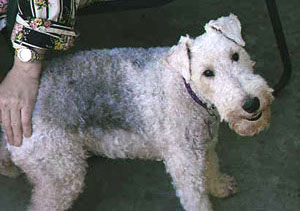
(158,103)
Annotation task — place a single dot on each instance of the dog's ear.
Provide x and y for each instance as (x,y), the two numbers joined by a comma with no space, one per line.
(229,26)
(178,57)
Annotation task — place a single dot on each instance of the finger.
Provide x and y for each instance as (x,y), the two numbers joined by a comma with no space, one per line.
(16,126)
(5,114)
(26,116)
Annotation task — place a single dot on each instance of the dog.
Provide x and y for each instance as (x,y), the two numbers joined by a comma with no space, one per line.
(161,103)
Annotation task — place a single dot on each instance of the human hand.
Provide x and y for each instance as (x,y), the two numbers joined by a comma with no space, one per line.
(18,92)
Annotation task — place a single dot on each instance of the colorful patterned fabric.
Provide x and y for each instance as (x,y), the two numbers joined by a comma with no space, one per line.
(43,24)
(3,10)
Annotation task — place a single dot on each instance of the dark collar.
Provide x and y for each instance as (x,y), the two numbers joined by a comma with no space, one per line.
(210,110)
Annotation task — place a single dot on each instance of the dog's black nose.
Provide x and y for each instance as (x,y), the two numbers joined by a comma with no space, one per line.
(251,105)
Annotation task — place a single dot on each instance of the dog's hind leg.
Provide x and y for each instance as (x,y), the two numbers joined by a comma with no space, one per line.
(55,164)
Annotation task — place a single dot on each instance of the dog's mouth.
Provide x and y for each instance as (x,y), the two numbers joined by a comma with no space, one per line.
(257,117)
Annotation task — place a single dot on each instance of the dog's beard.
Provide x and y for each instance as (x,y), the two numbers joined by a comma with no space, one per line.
(246,127)
(254,124)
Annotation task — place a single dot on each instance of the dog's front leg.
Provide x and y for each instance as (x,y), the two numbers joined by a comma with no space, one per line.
(220,185)
(185,162)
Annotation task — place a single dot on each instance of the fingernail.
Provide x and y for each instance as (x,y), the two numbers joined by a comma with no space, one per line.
(27,135)
(10,142)
(18,144)
(18,141)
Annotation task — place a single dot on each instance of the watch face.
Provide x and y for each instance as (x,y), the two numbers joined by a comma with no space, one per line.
(24,54)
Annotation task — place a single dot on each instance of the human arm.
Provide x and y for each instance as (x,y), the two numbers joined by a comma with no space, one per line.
(40,27)
(18,93)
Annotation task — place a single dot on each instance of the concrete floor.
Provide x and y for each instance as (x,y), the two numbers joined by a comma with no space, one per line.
(267,167)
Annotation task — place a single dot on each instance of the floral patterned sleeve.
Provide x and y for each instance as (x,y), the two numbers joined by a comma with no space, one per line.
(3,10)
(45,24)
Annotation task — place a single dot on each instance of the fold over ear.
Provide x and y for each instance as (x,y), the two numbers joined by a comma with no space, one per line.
(178,57)
(229,26)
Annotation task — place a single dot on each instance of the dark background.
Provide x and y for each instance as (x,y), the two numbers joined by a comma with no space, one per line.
(267,167)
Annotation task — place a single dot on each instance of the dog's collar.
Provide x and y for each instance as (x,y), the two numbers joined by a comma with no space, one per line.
(211,110)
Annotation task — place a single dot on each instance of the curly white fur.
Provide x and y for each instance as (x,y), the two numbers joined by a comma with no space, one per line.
(132,103)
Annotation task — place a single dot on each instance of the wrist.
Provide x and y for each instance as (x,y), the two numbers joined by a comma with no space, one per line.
(30,69)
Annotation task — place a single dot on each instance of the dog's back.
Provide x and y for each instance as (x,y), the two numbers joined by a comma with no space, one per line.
(102,88)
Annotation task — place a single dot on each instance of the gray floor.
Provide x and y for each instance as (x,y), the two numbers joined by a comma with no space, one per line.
(267,167)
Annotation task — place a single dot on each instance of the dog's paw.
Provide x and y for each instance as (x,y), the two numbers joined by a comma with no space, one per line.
(224,186)
(7,168)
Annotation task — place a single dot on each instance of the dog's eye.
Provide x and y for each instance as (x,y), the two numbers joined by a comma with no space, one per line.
(235,57)
(209,73)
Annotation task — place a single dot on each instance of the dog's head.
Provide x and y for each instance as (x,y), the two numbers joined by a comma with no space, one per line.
(220,71)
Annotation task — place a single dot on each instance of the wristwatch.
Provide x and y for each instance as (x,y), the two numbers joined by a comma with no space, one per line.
(28,55)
